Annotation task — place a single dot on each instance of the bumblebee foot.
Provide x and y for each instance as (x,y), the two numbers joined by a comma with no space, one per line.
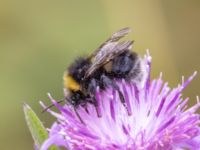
(78,115)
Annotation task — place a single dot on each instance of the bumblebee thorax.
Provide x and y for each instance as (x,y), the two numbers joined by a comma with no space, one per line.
(70,83)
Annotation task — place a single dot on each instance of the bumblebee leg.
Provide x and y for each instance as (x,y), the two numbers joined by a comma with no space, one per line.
(106,82)
(92,87)
(78,115)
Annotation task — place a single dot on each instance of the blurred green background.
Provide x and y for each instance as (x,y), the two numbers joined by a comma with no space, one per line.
(39,38)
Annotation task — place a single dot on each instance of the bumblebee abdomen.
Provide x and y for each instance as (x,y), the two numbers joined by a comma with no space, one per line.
(123,64)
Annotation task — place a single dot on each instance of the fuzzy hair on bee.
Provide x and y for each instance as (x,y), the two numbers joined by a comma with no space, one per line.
(112,60)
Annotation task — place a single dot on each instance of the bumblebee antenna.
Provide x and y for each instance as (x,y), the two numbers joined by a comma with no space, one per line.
(60,101)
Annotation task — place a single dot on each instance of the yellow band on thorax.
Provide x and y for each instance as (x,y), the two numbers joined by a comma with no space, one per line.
(70,83)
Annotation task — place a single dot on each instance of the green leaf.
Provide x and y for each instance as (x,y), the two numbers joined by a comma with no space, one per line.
(37,129)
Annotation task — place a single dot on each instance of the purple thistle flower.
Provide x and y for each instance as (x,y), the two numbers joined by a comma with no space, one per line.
(155,118)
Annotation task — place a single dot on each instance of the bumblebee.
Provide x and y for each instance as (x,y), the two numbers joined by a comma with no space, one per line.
(113,60)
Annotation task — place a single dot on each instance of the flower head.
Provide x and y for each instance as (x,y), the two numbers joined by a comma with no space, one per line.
(155,117)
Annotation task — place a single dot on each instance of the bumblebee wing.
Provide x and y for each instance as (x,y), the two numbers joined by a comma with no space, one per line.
(107,53)
(114,38)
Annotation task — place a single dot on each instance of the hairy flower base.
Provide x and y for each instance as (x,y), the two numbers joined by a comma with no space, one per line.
(155,117)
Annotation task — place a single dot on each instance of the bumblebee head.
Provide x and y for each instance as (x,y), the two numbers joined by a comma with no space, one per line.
(76,73)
